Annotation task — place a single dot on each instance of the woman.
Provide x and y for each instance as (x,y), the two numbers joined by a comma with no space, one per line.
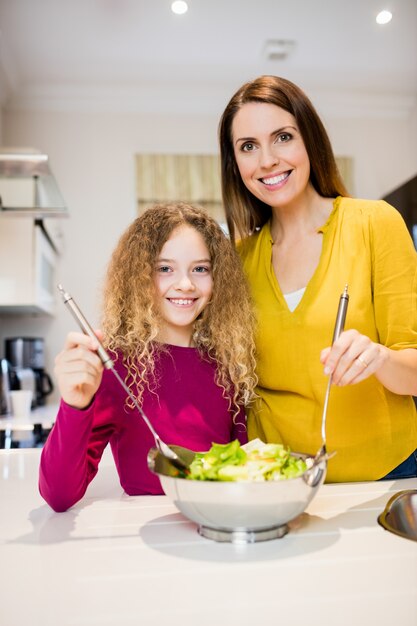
(302,240)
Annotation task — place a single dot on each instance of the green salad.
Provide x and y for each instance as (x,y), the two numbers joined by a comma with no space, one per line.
(254,462)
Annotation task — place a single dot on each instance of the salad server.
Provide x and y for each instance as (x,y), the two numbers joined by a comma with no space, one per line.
(338,329)
(177,456)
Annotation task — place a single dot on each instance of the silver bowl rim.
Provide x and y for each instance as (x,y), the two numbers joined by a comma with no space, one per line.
(154,453)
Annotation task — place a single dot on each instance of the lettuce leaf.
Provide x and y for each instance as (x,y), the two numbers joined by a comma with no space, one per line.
(255,462)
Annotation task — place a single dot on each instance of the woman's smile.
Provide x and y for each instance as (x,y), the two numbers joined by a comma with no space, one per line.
(276,181)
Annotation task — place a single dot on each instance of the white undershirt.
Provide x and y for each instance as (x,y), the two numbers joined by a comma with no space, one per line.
(293,299)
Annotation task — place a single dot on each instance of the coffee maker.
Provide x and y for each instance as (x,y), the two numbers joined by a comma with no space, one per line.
(26,356)
(5,386)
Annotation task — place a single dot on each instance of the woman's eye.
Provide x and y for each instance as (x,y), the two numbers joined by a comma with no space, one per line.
(247,147)
(284,137)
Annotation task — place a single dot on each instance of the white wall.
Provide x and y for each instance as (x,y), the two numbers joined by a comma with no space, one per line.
(384,151)
(92,157)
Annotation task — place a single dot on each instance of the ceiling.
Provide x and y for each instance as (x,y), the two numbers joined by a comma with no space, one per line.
(137,53)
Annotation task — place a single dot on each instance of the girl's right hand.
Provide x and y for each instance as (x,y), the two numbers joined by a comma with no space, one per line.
(79,370)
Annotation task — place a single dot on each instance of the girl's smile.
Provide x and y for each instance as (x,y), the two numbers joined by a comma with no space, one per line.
(182,302)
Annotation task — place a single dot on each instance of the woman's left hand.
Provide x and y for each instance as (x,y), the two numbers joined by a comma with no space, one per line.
(353,358)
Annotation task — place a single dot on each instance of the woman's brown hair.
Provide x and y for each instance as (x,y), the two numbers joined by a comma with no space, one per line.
(244,212)
(131,320)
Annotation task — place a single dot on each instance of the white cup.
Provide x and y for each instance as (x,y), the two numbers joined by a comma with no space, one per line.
(21,401)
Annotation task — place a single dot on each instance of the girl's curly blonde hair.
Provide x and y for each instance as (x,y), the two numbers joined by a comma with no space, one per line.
(131,320)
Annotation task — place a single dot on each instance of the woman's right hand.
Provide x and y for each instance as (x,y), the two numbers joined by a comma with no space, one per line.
(79,370)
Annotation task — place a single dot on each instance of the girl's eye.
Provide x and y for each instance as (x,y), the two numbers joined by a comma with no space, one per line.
(247,147)
(162,269)
(202,269)
(283,137)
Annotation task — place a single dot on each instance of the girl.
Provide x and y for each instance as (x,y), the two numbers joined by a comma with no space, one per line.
(177,318)
(303,239)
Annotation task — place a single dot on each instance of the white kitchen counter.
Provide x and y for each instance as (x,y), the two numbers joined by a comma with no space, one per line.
(119,560)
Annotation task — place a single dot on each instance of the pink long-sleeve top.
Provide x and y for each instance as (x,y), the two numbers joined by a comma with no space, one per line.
(187,409)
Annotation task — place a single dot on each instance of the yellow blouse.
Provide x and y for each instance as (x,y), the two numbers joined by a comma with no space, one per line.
(367,246)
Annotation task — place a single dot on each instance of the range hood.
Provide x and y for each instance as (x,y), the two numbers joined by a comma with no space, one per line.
(27,185)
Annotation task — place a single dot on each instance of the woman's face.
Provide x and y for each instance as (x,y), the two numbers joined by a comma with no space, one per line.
(184,284)
(270,154)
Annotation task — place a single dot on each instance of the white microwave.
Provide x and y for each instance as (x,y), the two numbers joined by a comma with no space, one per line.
(27,267)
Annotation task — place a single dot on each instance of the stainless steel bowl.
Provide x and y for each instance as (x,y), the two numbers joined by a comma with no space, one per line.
(239,511)
(400,514)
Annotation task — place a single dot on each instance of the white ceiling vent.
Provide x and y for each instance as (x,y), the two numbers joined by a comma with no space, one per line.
(278,49)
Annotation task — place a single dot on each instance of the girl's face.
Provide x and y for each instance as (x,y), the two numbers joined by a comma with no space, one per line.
(184,284)
(270,154)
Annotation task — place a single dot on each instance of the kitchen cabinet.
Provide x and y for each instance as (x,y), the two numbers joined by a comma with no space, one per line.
(27,185)
(404,199)
(27,267)
(53,227)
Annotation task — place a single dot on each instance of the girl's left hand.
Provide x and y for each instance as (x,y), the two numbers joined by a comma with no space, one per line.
(352,358)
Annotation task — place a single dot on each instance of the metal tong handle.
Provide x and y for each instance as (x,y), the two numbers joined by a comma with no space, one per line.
(338,329)
(85,327)
(109,364)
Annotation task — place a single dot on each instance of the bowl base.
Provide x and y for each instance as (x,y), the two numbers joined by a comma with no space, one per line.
(245,535)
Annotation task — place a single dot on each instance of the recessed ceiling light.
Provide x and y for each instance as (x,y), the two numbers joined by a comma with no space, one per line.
(384,17)
(179,7)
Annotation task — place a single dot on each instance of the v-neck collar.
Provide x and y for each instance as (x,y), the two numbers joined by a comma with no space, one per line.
(314,281)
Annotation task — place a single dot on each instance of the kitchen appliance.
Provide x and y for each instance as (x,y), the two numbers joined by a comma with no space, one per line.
(23,378)
(25,352)
(27,267)
(26,355)
(5,386)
